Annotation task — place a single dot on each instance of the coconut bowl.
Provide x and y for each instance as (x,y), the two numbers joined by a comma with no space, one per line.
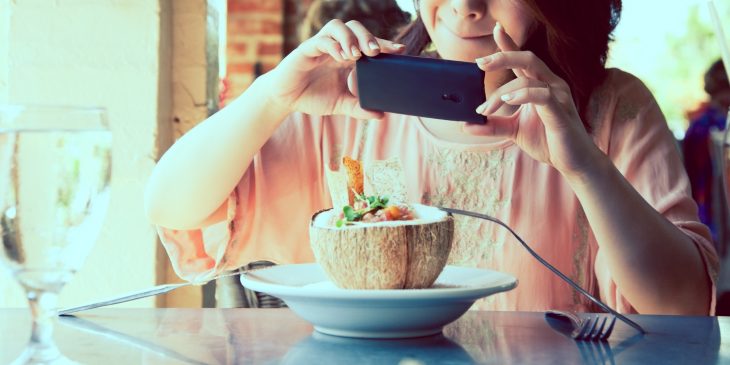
(383,255)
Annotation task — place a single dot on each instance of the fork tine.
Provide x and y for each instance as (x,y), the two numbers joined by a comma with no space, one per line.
(587,336)
(609,330)
(599,331)
(583,329)
(588,326)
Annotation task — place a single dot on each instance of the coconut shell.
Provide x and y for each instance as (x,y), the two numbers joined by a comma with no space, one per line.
(396,256)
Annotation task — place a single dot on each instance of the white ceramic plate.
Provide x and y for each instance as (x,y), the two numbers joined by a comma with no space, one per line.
(377,313)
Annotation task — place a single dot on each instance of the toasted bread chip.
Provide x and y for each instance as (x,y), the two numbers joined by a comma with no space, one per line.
(354,178)
(337,183)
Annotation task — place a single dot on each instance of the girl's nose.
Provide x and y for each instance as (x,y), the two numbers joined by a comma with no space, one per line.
(469,9)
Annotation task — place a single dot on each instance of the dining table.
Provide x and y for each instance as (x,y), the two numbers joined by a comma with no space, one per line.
(278,336)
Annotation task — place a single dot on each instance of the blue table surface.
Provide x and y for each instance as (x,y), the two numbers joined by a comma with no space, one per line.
(278,336)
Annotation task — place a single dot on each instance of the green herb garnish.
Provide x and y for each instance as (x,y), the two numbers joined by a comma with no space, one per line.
(351,214)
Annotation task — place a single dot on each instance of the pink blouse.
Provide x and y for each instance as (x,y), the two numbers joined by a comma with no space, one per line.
(270,209)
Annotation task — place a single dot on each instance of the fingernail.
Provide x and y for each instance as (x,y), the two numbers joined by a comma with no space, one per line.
(373,45)
(398,45)
(484,60)
(343,54)
(481,108)
(497,26)
(355,51)
(507,97)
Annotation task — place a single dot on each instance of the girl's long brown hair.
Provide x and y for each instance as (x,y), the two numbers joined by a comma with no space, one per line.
(571,37)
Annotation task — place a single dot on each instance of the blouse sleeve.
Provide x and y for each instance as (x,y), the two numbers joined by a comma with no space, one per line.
(196,254)
(641,146)
(284,171)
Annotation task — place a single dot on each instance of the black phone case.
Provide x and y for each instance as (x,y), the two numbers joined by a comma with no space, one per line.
(419,86)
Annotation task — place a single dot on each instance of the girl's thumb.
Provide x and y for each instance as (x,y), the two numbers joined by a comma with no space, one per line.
(351,106)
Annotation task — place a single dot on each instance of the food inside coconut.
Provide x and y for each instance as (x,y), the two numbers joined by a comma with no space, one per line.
(373,209)
(373,243)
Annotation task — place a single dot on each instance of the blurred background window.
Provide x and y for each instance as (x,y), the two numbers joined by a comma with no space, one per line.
(670,46)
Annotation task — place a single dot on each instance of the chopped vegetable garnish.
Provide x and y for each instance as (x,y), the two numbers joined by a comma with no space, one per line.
(372,209)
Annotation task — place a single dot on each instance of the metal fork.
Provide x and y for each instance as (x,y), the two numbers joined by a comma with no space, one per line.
(590,331)
(587,329)
(557,272)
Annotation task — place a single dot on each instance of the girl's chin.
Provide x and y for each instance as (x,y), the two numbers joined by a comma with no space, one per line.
(461,54)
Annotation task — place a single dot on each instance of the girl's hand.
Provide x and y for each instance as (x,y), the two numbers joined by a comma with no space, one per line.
(318,76)
(547,125)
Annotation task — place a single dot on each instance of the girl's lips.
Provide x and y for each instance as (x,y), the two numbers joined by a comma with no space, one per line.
(463,43)
(468,38)
(474,37)
(464,35)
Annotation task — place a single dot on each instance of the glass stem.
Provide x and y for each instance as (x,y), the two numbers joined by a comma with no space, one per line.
(43,307)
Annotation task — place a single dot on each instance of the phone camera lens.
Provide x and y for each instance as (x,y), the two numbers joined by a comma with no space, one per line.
(451,97)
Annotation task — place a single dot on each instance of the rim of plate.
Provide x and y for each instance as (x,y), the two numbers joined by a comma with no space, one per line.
(254,281)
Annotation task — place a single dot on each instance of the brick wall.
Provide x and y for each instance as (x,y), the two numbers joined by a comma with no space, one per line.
(254,36)
(259,31)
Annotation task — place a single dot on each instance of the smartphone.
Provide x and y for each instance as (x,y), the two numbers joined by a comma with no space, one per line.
(420,86)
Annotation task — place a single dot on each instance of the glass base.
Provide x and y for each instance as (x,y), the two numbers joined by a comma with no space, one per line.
(34,355)
(41,289)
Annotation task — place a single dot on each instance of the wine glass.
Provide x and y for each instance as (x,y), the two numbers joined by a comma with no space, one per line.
(55,171)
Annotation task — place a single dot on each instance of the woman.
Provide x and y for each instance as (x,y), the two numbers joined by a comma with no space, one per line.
(696,148)
(574,157)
